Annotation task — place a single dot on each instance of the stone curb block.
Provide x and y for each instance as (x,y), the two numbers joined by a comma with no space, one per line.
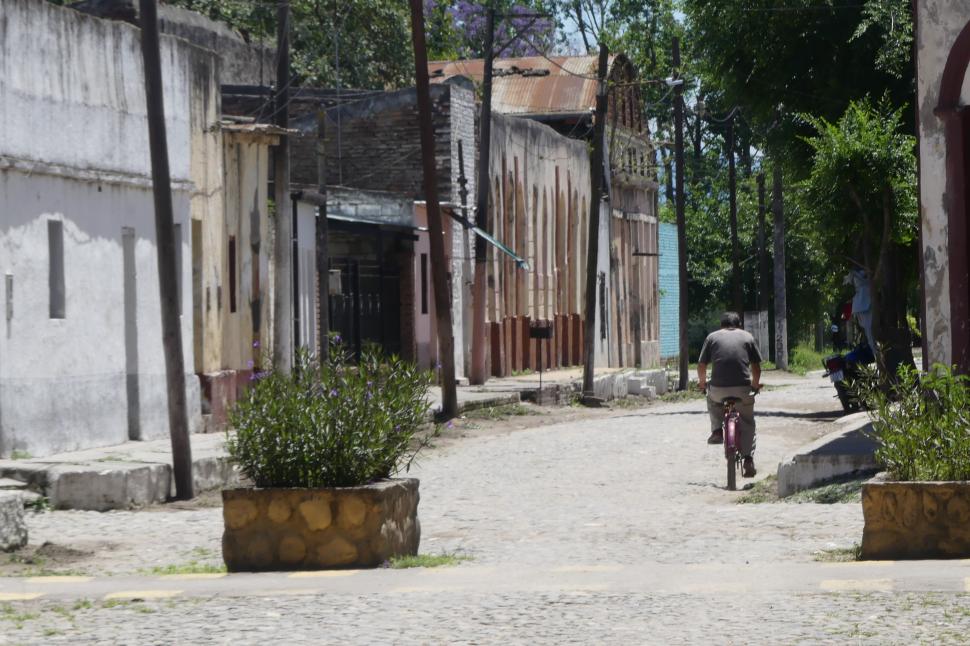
(13,527)
(844,451)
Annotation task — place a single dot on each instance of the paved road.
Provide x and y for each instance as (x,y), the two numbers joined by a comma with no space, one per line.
(615,530)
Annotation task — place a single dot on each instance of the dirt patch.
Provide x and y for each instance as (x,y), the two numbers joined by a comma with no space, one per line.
(48,559)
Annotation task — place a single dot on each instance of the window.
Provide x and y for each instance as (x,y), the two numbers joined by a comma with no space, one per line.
(55,249)
(232,274)
(178,264)
(424,283)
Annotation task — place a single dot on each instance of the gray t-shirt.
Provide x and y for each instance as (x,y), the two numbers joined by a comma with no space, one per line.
(730,353)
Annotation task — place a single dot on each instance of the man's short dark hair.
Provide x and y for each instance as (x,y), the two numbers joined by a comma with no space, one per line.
(730,319)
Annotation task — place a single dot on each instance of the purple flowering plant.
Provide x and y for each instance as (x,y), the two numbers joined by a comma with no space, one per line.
(331,423)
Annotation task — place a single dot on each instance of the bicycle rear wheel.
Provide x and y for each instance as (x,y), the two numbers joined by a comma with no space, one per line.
(730,454)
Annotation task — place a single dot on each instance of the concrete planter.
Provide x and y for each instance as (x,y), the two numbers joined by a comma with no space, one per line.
(314,529)
(915,520)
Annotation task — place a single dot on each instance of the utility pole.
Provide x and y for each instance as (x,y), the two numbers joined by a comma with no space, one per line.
(477,374)
(737,292)
(439,268)
(282,277)
(592,250)
(764,287)
(322,239)
(165,241)
(781,305)
(681,218)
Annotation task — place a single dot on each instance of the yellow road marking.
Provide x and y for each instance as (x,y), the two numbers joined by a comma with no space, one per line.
(428,588)
(858,563)
(322,574)
(19,596)
(873,585)
(59,579)
(142,594)
(192,577)
(288,592)
(588,568)
(714,588)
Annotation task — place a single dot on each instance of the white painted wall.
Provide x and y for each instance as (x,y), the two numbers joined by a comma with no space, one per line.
(939,24)
(74,147)
(306,264)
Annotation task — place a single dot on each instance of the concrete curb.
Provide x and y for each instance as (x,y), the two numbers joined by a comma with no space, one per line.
(845,451)
(120,477)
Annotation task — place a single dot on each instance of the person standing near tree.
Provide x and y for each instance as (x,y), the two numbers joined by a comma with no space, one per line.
(735,372)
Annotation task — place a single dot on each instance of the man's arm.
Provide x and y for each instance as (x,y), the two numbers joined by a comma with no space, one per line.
(702,376)
(755,375)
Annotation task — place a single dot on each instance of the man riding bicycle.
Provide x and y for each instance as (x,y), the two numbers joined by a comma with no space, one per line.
(736,372)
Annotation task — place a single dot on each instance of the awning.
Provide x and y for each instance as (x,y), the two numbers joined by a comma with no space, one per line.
(520,262)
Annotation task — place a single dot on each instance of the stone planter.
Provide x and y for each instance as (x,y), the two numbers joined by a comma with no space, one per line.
(312,529)
(915,520)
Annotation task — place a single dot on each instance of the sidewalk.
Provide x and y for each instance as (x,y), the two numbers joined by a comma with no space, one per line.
(140,473)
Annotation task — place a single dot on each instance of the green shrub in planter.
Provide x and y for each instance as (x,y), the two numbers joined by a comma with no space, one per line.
(921,422)
(335,425)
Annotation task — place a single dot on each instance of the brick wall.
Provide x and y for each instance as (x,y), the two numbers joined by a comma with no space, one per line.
(669,292)
(374,143)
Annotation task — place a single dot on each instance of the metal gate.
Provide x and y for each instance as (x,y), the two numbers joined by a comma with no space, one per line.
(367,308)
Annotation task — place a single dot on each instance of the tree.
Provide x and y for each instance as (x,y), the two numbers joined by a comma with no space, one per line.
(456,28)
(811,57)
(862,188)
(354,43)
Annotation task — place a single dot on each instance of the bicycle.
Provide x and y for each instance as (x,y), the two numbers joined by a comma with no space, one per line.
(729,427)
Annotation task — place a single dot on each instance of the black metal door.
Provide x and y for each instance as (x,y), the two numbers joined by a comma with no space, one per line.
(368,307)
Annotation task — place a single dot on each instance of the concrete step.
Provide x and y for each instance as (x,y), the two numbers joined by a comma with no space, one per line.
(848,450)
(123,476)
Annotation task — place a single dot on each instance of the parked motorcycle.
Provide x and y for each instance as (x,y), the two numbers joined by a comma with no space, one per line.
(843,370)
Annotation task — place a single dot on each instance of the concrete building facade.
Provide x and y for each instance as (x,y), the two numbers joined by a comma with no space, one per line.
(81,360)
(943,91)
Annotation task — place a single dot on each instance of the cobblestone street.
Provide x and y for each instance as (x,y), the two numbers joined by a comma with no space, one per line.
(612,528)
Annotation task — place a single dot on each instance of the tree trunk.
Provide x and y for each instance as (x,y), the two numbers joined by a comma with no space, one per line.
(781,302)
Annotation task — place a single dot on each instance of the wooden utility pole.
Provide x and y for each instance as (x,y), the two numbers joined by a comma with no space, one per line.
(322,239)
(167,267)
(737,292)
(592,250)
(477,374)
(681,218)
(439,266)
(764,286)
(282,247)
(781,305)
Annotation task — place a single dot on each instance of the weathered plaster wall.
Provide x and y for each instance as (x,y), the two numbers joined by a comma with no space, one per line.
(74,149)
(539,208)
(939,24)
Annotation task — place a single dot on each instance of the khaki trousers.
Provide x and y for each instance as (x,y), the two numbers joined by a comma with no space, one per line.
(746,427)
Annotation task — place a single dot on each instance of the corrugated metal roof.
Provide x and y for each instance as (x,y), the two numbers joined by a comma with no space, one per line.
(533,84)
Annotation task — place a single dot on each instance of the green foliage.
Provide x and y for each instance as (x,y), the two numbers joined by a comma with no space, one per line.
(807,55)
(803,358)
(893,21)
(921,422)
(447,559)
(337,425)
(372,38)
(854,162)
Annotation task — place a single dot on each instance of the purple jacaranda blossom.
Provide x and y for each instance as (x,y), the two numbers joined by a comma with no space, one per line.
(255,344)
(250,364)
(333,392)
(259,374)
(450,425)
(526,36)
